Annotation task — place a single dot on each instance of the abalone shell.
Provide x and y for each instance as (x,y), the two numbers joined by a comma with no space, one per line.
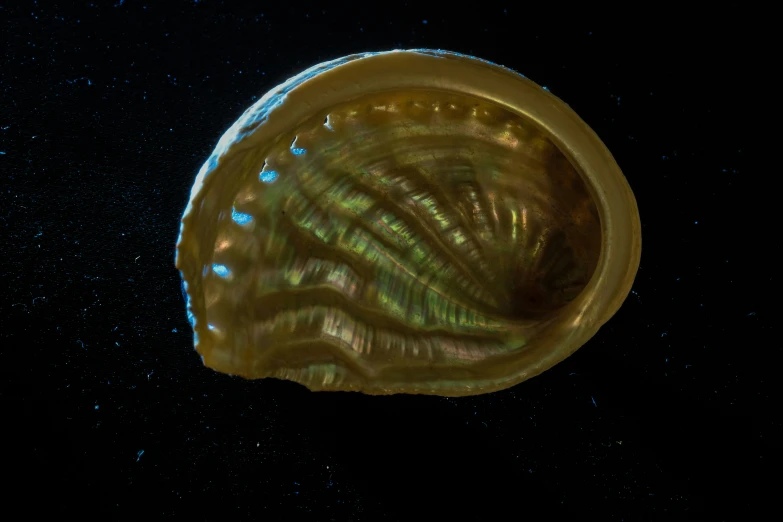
(405,222)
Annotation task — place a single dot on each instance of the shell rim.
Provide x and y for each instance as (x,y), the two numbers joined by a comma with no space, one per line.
(356,75)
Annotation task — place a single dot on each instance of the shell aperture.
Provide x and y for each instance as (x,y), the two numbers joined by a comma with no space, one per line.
(405,222)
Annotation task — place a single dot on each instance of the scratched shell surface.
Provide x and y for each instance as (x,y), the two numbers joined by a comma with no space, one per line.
(402,234)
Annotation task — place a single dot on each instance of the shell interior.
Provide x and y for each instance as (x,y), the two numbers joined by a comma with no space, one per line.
(412,241)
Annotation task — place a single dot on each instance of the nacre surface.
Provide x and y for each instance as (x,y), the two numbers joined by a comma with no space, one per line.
(405,222)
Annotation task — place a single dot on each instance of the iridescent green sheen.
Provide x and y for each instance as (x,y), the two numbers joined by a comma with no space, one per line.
(418,239)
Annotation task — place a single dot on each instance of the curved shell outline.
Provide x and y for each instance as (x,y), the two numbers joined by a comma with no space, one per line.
(405,222)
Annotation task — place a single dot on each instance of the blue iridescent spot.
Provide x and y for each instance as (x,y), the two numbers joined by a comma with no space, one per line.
(298,152)
(240,218)
(211,326)
(268,176)
(221,270)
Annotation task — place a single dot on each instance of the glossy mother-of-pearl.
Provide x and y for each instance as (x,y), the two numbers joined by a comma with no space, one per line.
(405,222)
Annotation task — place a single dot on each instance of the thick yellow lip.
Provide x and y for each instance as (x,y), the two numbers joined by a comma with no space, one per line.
(334,84)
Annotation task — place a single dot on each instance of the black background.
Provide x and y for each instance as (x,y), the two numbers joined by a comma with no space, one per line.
(108,111)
